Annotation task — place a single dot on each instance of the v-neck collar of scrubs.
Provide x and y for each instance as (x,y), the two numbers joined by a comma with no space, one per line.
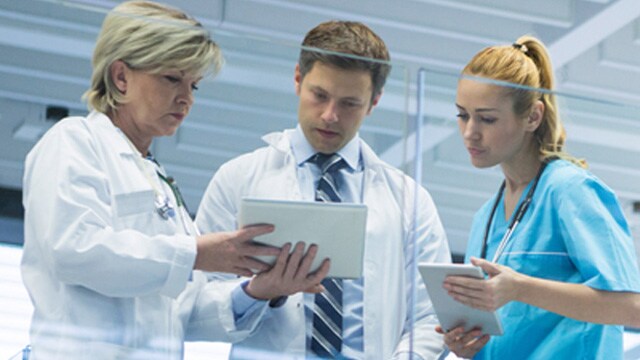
(499,224)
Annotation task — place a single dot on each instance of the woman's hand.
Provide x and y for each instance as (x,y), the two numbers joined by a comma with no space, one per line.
(489,295)
(234,251)
(464,345)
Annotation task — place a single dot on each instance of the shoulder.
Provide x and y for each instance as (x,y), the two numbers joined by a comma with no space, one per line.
(82,128)
(394,176)
(371,161)
(69,147)
(70,126)
(562,171)
(403,186)
(568,185)
(273,155)
(70,132)
(564,176)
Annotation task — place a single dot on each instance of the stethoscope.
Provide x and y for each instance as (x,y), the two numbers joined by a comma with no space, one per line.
(163,205)
(522,209)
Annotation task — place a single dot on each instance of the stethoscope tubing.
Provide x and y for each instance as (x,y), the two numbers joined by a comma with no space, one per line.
(520,212)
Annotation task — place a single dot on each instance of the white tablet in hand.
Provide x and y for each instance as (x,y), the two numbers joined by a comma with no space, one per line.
(450,312)
(337,228)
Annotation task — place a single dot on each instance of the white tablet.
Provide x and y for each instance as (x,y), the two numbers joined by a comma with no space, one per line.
(451,313)
(337,228)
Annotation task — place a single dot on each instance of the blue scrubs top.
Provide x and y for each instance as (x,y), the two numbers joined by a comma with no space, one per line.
(574,231)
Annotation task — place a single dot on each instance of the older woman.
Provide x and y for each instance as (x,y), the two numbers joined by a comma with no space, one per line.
(109,248)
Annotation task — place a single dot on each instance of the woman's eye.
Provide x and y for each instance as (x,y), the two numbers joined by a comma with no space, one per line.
(171,78)
(194,87)
(488,120)
(463,117)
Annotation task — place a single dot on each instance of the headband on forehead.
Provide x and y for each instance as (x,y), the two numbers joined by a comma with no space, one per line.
(521,47)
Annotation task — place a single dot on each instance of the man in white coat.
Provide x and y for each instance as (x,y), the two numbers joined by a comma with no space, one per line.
(336,94)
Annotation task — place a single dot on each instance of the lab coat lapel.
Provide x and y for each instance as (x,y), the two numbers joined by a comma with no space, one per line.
(280,180)
(383,252)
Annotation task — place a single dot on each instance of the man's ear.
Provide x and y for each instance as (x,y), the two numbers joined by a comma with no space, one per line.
(535,116)
(119,72)
(374,102)
(297,78)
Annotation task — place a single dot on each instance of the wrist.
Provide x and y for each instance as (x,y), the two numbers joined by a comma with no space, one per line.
(522,285)
(197,263)
(246,286)
(275,302)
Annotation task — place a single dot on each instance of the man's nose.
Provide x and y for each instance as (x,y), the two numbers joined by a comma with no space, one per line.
(330,113)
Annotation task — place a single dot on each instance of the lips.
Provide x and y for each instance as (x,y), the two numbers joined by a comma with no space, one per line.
(474,151)
(327,133)
(178,116)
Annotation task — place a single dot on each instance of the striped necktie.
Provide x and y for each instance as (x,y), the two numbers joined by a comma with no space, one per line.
(326,339)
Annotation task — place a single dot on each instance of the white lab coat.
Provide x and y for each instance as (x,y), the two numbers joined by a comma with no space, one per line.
(108,276)
(270,172)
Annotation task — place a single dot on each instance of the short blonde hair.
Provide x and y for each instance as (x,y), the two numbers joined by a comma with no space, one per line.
(526,62)
(150,37)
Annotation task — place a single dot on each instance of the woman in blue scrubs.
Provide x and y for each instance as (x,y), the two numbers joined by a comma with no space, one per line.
(553,240)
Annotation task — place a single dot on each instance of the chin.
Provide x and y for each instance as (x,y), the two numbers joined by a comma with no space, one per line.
(325,148)
(481,164)
(171,132)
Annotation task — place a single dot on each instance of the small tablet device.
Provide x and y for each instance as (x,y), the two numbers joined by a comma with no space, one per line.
(337,228)
(450,312)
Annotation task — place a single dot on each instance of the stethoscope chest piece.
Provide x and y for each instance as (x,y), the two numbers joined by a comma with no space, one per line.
(164,207)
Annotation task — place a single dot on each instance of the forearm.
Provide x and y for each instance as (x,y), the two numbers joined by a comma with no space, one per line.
(580,302)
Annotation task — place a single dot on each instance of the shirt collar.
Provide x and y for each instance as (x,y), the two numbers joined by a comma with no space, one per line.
(302,150)
(116,138)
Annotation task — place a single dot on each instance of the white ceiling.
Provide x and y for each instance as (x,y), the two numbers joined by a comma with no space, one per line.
(45,51)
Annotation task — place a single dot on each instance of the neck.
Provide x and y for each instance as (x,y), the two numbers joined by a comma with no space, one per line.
(131,131)
(519,173)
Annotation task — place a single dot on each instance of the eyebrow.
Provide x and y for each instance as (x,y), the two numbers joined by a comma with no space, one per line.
(478,110)
(316,87)
(349,98)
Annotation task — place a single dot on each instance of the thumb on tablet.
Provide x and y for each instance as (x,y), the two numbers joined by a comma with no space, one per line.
(488,267)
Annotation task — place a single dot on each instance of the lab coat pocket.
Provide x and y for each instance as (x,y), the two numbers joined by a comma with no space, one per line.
(134,203)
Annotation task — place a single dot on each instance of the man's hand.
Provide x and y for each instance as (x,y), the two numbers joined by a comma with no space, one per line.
(233,251)
(289,275)
(464,345)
